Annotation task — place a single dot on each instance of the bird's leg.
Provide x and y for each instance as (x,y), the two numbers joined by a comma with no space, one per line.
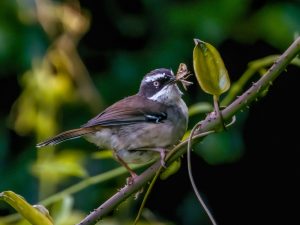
(162,152)
(130,179)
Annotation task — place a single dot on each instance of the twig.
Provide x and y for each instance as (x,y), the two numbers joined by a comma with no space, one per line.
(189,164)
(253,67)
(199,197)
(207,125)
(147,195)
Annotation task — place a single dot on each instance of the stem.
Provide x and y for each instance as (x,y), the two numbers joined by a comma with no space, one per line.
(190,172)
(146,196)
(218,113)
(189,163)
(206,125)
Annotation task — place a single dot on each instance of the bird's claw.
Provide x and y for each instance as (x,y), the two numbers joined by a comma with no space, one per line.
(130,180)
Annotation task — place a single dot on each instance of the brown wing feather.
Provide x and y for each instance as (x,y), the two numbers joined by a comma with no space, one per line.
(67,135)
(130,110)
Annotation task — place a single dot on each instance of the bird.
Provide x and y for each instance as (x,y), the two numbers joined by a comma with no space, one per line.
(139,128)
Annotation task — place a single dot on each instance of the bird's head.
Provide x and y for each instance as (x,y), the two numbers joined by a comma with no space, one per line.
(160,85)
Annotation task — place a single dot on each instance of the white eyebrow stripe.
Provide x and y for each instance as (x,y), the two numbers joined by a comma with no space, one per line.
(155,77)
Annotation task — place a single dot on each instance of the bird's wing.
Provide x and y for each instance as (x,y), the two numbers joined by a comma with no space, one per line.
(130,110)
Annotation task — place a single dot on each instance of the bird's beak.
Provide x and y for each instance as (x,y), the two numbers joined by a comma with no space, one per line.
(173,81)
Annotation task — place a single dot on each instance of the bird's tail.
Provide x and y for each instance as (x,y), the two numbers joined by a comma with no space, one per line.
(67,135)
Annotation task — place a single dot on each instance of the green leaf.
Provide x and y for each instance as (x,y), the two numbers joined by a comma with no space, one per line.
(29,212)
(209,69)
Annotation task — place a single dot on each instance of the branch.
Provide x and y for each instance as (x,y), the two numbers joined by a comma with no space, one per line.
(253,92)
(208,124)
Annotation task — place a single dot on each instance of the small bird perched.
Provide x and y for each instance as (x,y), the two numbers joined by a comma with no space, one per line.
(138,128)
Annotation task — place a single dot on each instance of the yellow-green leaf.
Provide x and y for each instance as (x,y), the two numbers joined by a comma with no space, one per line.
(209,69)
(29,212)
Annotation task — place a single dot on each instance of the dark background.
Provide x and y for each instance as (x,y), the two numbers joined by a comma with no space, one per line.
(255,183)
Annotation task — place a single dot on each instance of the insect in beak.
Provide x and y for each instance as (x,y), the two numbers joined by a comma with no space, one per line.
(182,75)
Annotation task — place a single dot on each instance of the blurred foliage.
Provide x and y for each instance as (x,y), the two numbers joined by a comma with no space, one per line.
(63,165)
(59,57)
(40,89)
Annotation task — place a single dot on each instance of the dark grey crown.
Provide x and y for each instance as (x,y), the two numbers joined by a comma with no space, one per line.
(154,81)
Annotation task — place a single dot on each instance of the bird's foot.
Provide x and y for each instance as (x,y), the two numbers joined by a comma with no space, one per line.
(130,180)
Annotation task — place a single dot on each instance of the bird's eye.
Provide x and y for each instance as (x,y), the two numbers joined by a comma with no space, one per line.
(156,83)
